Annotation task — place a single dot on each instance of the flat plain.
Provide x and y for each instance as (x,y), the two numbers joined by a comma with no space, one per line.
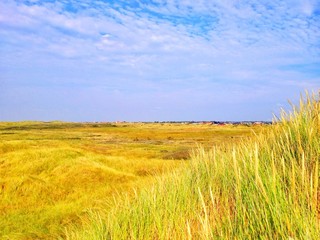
(52,173)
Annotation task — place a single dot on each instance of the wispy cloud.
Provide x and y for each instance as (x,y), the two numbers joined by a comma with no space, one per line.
(202,53)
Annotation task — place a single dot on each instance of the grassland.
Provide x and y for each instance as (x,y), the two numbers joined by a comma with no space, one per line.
(266,187)
(52,174)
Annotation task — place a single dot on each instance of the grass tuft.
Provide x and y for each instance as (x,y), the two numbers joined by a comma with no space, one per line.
(266,187)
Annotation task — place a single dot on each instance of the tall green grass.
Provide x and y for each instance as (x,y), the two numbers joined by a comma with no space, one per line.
(264,188)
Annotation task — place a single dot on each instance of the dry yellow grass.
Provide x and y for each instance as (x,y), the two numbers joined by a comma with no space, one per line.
(53,173)
(266,187)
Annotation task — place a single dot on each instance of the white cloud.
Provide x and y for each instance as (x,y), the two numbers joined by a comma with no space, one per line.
(200,48)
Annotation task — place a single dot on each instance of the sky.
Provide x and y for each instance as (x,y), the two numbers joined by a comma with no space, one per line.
(160,60)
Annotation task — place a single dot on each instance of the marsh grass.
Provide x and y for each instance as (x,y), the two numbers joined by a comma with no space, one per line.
(263,188)
(53,173)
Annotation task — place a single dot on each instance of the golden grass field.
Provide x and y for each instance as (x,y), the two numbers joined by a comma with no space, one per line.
(264,187)
(54,173)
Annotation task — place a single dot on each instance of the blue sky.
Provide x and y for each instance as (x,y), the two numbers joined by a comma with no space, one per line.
(81,60)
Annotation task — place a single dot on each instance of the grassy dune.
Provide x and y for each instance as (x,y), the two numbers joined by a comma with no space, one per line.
(51,174)
(263,188)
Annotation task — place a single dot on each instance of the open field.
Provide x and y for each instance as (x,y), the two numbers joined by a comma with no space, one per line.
(266,187)
(53,173)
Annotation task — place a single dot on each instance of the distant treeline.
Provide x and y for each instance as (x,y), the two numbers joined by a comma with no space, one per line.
(215,122)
